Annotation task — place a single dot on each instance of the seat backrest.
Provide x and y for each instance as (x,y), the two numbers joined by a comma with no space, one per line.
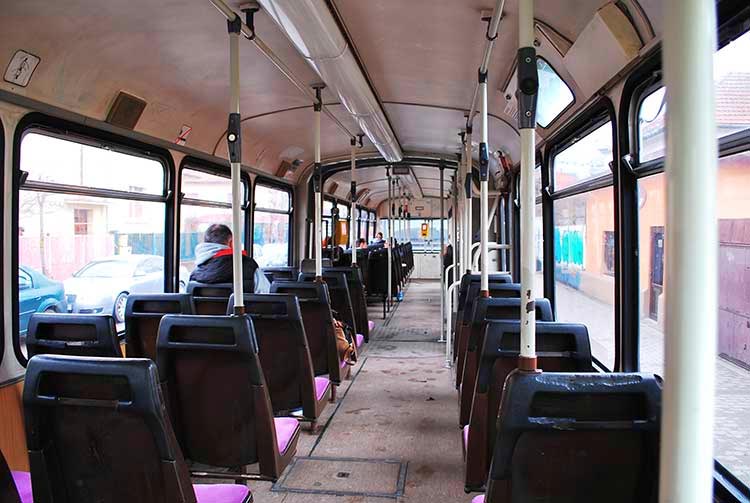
(577,437)
(8,491)
(488,309)
(143,313)
(560,347)
(210,298)
(282,347)
(317,318)
(97,430)
(308,264)
(496,290)
(72,334)
(338,290)
(214,384)
(280,273)
(357,297)
(467,279)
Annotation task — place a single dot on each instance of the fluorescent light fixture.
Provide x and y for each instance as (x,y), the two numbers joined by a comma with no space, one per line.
(310,26)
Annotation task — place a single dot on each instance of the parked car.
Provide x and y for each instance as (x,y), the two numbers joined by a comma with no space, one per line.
(37,294)
(103,285)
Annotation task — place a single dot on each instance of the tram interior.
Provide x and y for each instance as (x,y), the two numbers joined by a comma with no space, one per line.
(475,265)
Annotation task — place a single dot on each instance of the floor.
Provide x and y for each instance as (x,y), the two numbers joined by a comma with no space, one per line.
(399,406)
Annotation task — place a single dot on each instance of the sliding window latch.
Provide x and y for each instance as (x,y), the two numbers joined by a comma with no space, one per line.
(627,162)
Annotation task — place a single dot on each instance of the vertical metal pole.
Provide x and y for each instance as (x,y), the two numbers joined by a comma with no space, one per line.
(468,185)
(389,288)
(234,144)
(686,471)
(353,209)
(317,107)
(456,249)
(484,166)
(502,234)
(442,251)
(311,231)
(528,85)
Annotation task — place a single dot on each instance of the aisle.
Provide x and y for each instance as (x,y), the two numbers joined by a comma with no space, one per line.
(397,420)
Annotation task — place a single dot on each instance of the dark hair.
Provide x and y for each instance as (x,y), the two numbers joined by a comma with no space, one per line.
(217,233)
(380,234)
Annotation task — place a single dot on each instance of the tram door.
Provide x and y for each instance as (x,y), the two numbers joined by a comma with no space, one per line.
(657,271)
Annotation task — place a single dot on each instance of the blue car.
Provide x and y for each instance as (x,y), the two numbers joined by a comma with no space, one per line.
(37,294)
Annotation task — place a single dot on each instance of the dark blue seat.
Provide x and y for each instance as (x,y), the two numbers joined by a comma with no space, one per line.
(210,298)
(285,356)
(143,313)
(73,334)
(567,438)
(561,347)
(97,430)
(214,383)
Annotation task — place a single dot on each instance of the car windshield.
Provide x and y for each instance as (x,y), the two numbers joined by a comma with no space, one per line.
(106,269)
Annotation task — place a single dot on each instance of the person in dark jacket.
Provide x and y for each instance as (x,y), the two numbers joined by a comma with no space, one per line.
(213,262)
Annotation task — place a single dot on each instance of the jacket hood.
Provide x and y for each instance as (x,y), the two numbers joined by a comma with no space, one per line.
(205,251)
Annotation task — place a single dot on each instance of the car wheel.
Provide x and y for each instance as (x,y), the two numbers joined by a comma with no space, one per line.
(119,309)
(182,286)
(50,309)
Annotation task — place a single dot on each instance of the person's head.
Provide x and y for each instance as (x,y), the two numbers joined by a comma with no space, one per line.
(379,235)
(362,243)
(219,234)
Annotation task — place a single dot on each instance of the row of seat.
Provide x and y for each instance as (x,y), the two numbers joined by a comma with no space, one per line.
(402,265)
(268,352)
(550,435)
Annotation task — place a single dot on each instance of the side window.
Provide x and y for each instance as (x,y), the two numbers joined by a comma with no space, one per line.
(206,200)
(83,226)
(272,217)
(584,232)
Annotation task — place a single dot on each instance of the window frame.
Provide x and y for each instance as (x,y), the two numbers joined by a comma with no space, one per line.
(2,269)
(196,164)
(569,106)
(642,81)
(273,184)
(36,122)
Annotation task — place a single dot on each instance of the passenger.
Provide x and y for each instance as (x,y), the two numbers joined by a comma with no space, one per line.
(379,239)
(213,259)
(362,243)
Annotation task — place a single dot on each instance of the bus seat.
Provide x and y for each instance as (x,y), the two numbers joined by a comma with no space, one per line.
(97,430)
(308,265)
(568,438)
(486,309)
(561,347)
(15,487)
(468,279)
(73,334)
(214,383)
(341,302)
(500,290)
(210,298)
(280,273)
(284,355)
(317,318)
(357,297)
(143,314)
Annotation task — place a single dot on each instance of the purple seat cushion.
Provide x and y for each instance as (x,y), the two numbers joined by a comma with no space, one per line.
(370,324)
(466,437)
(221,493)
(286,428)
(478,499)
(321,387)
(23,486)
(359,339)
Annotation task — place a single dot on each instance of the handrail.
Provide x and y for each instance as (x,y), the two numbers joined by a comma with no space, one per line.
(449,308)
(268,53)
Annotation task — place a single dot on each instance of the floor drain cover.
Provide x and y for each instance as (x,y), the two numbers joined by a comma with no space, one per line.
(344,477)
